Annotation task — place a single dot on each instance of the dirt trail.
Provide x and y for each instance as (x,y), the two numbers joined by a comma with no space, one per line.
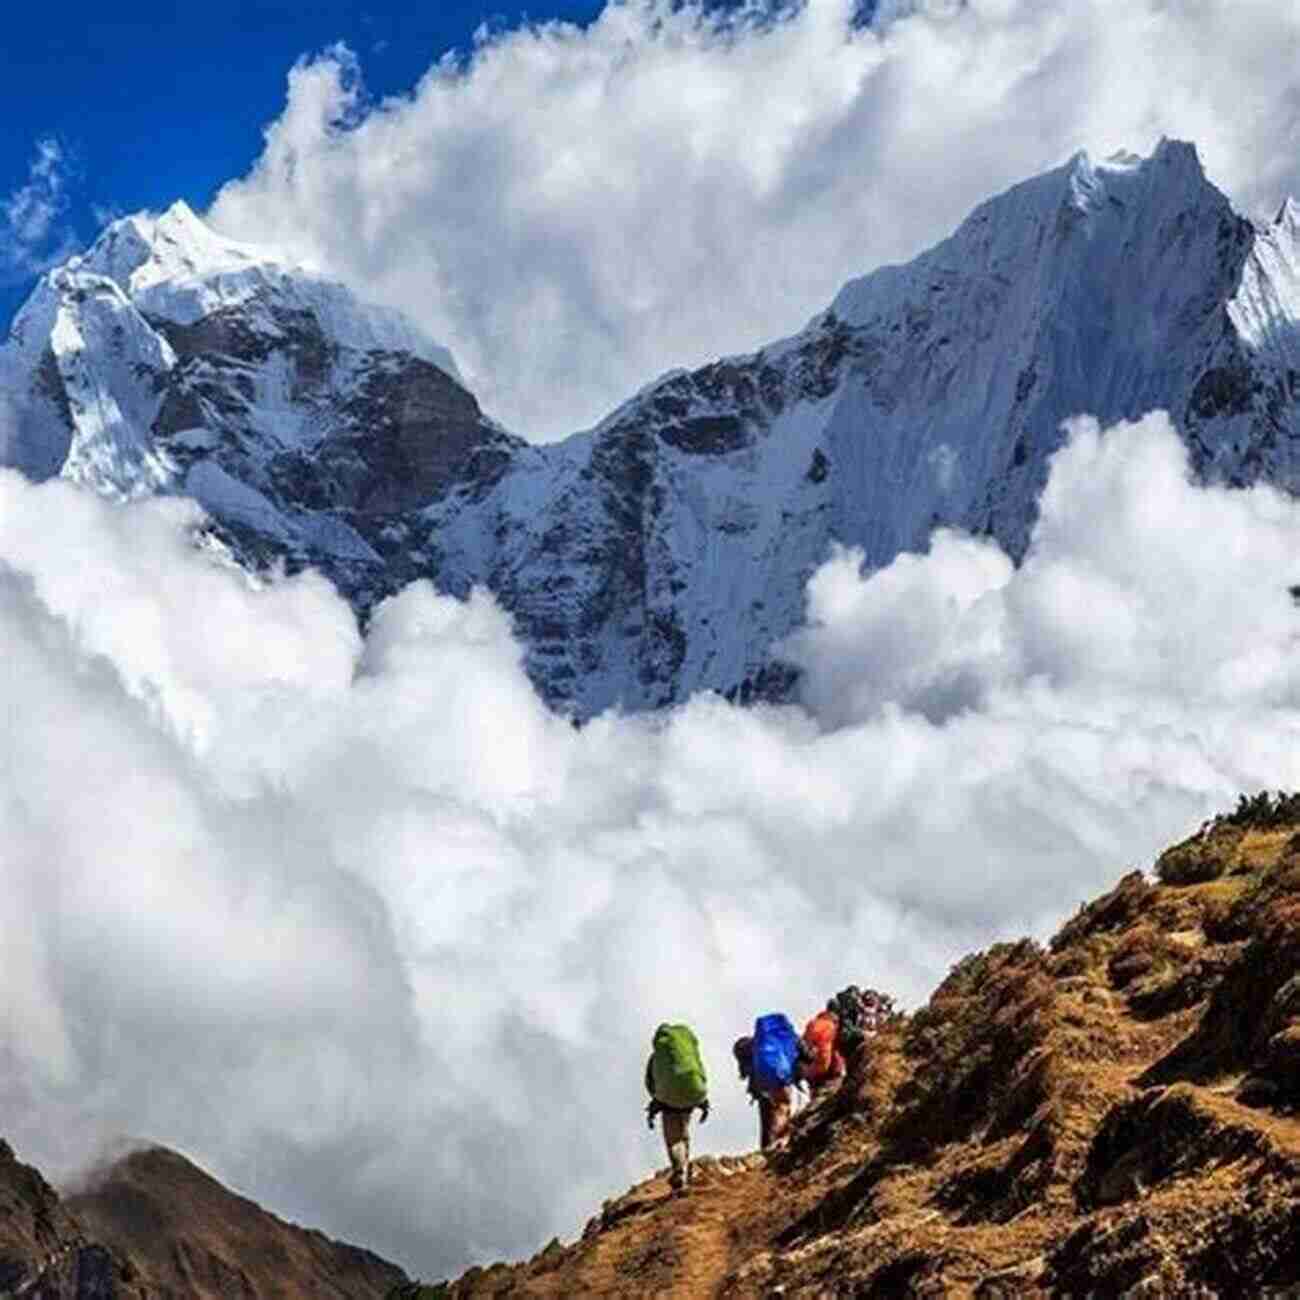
(653,1242)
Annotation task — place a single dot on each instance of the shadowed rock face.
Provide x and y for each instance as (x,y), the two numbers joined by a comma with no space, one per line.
(232,333)
(390,432)
(45,1252)
(32,1222)
(418,433)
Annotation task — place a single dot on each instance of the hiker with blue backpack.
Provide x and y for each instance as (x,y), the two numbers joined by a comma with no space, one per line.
(770,1061)
(678,1085)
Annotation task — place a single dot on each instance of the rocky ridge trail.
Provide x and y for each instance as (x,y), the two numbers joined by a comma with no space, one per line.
(1112,1114)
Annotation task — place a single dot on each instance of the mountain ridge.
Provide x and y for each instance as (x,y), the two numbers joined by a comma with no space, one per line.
(666,550)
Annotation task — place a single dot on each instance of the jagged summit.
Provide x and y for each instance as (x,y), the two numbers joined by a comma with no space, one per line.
(1266,308)
(142,250)
(175,267)
(666,550)
(1065,222)
(170,359)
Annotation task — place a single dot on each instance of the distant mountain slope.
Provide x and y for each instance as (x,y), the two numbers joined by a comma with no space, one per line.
(1115,1114)
(666,550)
(188,1236)
(152,1226)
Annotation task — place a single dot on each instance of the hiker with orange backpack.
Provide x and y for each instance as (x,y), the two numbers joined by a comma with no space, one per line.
(769,1061)
(823,1066)
(677,1083)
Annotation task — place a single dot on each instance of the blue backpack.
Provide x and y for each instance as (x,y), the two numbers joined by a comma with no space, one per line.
(775,1052)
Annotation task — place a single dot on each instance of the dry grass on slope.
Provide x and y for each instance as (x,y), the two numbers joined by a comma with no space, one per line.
(1113,1114)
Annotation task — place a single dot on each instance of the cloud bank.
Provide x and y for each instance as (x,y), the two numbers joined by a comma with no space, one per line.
(573,211)
(366,930)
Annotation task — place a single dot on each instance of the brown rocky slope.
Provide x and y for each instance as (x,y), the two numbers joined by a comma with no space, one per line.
(189,1237)
(1114,1114)
(153,1226)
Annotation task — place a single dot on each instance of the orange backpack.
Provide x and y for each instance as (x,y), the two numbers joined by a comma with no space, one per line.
(819,1039)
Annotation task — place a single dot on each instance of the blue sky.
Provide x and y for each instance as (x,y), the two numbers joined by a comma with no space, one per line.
(149,102)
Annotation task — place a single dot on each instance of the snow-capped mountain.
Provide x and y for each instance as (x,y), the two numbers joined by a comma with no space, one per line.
(666,550)
(169,359)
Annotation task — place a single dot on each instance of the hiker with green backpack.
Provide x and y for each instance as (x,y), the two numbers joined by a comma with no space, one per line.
(677,1083)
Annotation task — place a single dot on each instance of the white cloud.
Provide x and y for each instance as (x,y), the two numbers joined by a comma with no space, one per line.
(32,238)
(369,932)
(574,211)
(1125,589)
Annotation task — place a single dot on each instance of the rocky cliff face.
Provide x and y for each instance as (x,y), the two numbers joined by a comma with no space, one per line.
(666,550)
(1112,1114)
(44,1251)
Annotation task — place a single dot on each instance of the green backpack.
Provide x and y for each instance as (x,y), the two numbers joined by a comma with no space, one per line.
(677,1068)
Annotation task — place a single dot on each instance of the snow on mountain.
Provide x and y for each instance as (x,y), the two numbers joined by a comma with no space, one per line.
(176,268)
(666,550)
(167,358)
(928,394)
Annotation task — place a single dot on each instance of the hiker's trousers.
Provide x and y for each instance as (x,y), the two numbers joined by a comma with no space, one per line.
(677,1139)
(775,1109)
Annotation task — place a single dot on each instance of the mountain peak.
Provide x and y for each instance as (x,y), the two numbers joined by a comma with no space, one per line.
(1179,154)
(175,267)
(151,1222)
(1106,202)
(180,213)
(1173,168)
(143,250)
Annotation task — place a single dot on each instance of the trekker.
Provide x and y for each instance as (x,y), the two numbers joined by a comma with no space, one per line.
(769,1062)
(823,1066)
(861,1015)
(677,1083)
